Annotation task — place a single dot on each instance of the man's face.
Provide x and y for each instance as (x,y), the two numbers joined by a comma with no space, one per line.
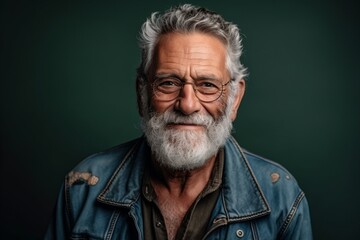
(185,133)
(190,57)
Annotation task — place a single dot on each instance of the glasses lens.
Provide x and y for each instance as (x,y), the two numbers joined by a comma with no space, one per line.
(167,89)
(208,90)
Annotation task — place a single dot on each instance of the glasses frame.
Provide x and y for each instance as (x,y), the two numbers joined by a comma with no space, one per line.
(183,83)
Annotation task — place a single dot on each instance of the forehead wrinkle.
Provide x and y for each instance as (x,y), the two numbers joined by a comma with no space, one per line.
(190,57)
(205,73)
(197,67)
(201,49)
(193,55)
(179,64)
(192,52)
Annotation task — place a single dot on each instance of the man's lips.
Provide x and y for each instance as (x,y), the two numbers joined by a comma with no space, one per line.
(187,126)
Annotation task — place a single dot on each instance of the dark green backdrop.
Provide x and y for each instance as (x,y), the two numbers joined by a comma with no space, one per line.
(67,91)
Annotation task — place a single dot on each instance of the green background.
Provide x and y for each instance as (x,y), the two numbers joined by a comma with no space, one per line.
(67,91)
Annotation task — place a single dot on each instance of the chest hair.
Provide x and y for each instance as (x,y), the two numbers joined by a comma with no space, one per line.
(173,213)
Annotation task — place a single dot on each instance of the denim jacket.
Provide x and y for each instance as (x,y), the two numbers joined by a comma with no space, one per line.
(101,198)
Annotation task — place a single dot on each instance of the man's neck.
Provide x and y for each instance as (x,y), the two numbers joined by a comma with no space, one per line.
(177,190)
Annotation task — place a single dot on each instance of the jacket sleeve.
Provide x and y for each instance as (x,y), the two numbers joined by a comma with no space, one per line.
(298,224)
(59,226)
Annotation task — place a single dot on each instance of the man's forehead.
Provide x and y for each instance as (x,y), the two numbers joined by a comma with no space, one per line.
(197,47)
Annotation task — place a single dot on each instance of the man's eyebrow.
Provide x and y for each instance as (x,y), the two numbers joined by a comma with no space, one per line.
(207,77)
(165,75)
(210,77)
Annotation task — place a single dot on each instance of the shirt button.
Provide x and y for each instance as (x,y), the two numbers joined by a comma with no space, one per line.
(239,233)
(158,224)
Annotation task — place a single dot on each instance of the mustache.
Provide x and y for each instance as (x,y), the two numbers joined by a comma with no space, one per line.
(172,117)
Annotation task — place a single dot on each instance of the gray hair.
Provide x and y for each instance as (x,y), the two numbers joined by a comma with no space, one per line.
(186,19)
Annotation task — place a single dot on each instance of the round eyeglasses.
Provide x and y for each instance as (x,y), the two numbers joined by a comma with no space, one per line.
(206,90)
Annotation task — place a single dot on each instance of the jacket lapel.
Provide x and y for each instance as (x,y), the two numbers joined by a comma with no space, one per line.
(124,187)
(242,196)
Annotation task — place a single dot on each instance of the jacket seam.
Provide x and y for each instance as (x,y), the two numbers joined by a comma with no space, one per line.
(291,215)
(111,227)
(254,230)
(215,226)
(134,220)
(224,203)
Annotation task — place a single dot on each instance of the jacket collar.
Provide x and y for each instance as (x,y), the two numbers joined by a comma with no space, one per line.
(124,187)
(242,196)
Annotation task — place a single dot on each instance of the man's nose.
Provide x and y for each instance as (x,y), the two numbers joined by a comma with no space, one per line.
(188,103)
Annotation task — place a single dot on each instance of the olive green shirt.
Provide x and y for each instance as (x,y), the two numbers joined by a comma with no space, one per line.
(196,220)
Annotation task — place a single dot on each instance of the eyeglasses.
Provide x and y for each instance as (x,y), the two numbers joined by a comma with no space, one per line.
(206,90)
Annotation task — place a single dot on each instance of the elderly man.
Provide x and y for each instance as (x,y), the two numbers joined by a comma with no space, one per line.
(187,178)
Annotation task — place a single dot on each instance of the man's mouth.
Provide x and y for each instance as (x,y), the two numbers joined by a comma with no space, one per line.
(185,126)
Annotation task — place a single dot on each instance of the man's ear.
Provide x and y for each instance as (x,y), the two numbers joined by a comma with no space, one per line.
(238,97)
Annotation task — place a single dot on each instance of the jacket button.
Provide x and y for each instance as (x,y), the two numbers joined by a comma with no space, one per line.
(239,233)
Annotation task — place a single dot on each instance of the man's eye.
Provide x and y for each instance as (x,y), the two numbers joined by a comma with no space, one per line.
(207,85)
(167,83)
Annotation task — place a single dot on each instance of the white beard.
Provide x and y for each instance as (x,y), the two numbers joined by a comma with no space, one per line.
(184,150)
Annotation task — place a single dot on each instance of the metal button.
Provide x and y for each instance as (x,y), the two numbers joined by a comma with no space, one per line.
(240,233)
